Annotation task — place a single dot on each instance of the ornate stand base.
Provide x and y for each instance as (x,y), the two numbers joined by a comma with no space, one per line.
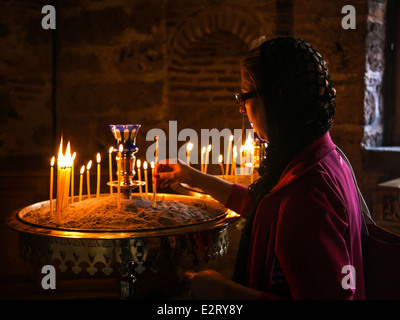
(131,261)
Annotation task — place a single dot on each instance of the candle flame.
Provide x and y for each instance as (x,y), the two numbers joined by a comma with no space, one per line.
(231,138)
(203,150)
(82,169)
(145,165)
(189,146)
(52,161)
(138,163)
(209,148)
(234,151)
(121,148)
(152,164)
(110,150)
(74,156)
(249,142)
(98,158)
(89,165)
(220,158)
(68,157)
(65,160)
(68,151)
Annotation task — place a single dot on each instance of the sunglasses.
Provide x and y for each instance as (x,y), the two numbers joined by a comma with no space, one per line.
(241,99)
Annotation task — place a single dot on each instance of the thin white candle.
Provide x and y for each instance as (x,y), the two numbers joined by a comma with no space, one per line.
(60,163)
(207,157)
(248,151)
(139,176)
(89,165)
(67,172)
(155,172)
(234,163)
(189,148)
(98,175)
(72,178)
(241,158)
(228,154)
(81,182)
(119,174)
(51,184)
(66,187)
(110,168)
(252,162)
(222,167)
(153,179)
(203,151)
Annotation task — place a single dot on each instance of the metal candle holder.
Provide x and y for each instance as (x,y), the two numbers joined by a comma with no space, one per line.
(131,253)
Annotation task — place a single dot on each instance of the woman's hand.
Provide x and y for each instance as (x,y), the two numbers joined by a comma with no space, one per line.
(175,170)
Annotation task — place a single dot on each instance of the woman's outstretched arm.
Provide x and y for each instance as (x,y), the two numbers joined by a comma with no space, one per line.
(175,170)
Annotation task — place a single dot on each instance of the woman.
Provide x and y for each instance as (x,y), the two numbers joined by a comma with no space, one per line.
(302,237)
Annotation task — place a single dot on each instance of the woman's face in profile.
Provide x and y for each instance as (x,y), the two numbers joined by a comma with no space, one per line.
(254,108)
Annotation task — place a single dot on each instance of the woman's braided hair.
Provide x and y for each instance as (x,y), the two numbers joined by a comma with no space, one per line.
(294,85)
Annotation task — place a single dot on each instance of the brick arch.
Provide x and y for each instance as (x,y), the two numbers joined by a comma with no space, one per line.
(243,25)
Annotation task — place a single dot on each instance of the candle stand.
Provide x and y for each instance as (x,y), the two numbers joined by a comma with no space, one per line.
(130,255)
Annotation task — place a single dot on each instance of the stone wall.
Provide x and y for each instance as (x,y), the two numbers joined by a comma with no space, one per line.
(150,62)
(26,85)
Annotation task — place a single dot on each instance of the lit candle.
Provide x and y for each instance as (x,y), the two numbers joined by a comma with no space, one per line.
(51,184)
(67,175)
(81,182)
(222,167)
(203,151)
(228,154)
(72,178)
(98,175)
(241,158)
(89,165)
(152,169)
(110,168)
(189,148)
(153,181)
(119,174)
(248,151)
(60,163)
(145,178)
(156,156)
(234,162)
(207,157)
(140,179)
(155,172)
(232,167)
(252,163)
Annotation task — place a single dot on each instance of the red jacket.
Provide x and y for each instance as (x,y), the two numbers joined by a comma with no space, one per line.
(311,223)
